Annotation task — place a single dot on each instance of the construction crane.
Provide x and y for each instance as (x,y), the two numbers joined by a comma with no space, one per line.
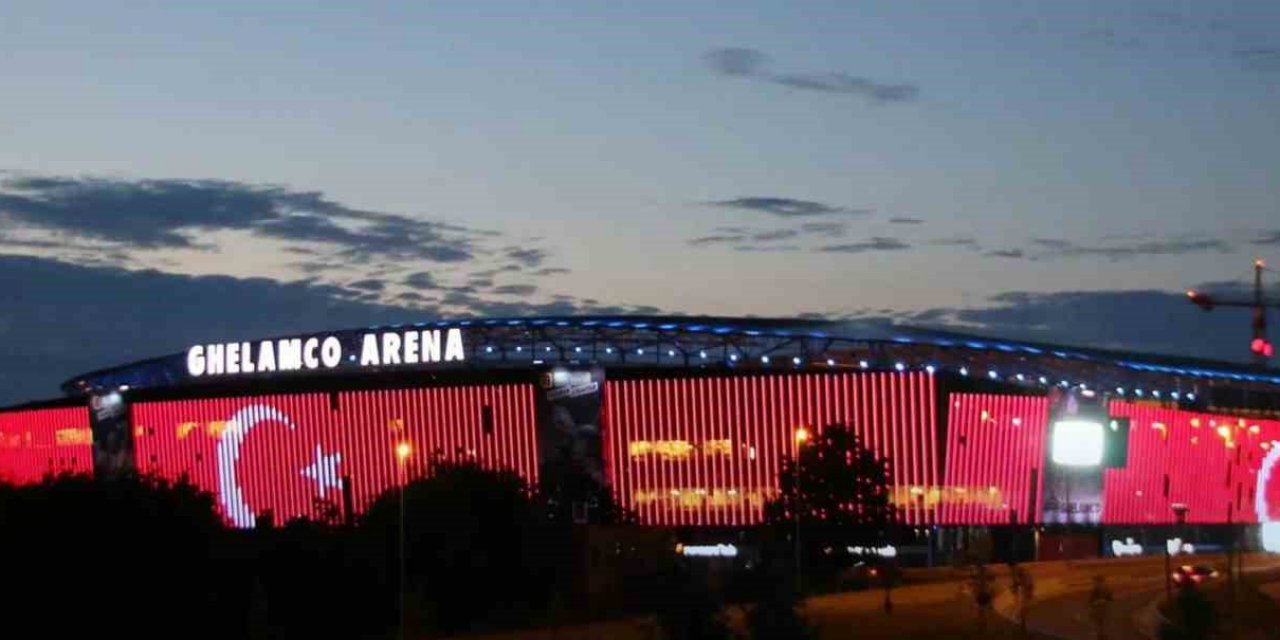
(1260,346)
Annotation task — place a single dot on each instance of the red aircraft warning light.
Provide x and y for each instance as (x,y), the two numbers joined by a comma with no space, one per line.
(1262,347)
(1201,300)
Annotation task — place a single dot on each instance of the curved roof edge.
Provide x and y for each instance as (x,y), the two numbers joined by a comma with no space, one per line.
(846,330)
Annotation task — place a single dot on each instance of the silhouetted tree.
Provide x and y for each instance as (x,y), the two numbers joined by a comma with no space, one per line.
(563,485)
(778,615)
(687,609)
(1190,617)
(835,495)
(476,546)
(136,557)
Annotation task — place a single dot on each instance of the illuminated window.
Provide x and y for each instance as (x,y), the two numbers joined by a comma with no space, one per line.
(717,448)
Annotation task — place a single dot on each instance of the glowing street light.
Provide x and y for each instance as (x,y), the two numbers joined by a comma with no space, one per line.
(802,435)
(403,451)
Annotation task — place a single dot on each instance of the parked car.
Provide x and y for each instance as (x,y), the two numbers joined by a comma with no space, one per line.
(1190,575)
(866,574)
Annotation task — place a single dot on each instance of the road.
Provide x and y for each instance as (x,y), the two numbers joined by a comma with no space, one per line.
(939,608)
(1064,613)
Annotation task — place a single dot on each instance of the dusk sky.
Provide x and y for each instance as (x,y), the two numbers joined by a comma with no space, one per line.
(1056,170)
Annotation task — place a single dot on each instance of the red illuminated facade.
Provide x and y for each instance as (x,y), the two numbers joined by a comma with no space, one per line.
(35,443)
(706,451)
(994,462)
(289,453)
(1208,462)
(678,451)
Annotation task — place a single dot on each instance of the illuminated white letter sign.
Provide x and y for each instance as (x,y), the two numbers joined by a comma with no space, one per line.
(381,349)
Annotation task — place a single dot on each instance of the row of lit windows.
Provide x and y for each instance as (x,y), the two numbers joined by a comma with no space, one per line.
(61,436)
(677,449)
(699,497)
(902,496)
(916,496)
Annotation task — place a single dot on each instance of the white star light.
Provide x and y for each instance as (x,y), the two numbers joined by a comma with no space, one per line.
(324,471)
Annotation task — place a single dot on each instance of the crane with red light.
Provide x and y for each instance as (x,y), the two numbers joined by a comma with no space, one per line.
(1260,346)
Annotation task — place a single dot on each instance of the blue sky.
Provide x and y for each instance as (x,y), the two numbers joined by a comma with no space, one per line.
(842,158)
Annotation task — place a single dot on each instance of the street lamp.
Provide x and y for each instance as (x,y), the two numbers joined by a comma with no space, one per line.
(801,437)
(1180,516)
(403,451)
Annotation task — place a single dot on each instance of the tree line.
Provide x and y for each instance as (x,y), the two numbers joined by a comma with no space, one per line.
(460,549)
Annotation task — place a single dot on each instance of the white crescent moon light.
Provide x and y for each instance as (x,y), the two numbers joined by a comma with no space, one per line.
(229,494)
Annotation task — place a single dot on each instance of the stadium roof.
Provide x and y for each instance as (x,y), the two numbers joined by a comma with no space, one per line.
(705,341)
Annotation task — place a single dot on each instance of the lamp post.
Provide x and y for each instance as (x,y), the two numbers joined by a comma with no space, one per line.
(801,437)
(1180,517)
(403,451)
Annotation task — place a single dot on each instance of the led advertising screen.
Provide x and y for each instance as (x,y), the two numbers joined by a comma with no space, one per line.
(1078,443)
(112,435)
(570,444)
(1073,471)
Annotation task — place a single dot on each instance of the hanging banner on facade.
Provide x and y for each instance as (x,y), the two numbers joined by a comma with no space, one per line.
(570,446)
(112,435)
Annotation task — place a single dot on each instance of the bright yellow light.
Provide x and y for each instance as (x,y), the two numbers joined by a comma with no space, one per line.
(1260,263)
(1255,429)
(1191,293)
(802,435)
(1224,431)
(404,450)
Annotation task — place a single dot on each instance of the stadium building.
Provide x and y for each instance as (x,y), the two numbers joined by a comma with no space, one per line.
(686,420)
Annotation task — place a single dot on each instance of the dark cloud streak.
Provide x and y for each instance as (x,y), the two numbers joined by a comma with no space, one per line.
(874,244)
(786,207)
(740,62)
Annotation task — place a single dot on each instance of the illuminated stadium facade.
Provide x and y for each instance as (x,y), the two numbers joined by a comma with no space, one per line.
(685,419)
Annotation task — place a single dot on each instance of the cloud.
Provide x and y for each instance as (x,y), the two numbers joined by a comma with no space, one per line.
(368,285)
(874,244)
(739,62)
(480,283)
(776,234)
(526,256)
(141,313)
(1268,238)
(1260,58)
(170,213)
(150,313)
(703,241)
(749,239)
(1111,39)
(421,280)
(1102,319)
(786,207)
(1054,247)
(851,85)
(1006,253)
(549,271)
(412,296)
(514,289)
(735,61)
(959,241)
(768,248)
(905,220)
(825,228)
